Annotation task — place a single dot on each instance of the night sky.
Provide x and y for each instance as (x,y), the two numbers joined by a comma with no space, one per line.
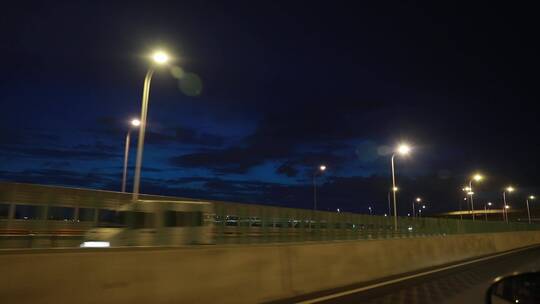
(261,93)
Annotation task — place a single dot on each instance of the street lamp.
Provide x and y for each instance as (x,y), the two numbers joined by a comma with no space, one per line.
(158,58)
(417,200)
(508,189)
(370,210)
(423,207)
(485,208)
(477,178)
(531,197)
(460,213)
(321,169)
(402,149)
(133,124)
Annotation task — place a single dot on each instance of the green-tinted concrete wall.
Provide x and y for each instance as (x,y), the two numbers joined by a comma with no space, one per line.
(229,274)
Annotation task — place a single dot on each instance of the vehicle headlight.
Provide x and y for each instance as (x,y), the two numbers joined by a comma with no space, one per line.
(95,244)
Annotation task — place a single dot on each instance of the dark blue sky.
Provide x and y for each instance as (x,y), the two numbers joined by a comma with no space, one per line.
(285,87)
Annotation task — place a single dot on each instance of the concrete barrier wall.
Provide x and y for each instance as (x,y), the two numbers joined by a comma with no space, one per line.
(229,274)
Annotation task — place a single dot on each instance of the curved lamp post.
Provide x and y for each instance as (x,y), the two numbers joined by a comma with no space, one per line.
(508,189)
(531,197)
(486,208)
(321,169)
(477,177)
(402,149)
(158,58)
(416,200)
(133,124)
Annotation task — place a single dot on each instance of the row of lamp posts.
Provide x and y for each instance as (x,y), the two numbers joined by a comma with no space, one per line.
(161,58)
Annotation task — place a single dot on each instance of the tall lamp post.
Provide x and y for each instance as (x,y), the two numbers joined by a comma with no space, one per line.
(508,189)
(134,123)
(417,200)
(485,208)
(477,177)
(469,194)
(158,58)
(420,211)
(402,150)
(460,213)
(531,197)
(321,169)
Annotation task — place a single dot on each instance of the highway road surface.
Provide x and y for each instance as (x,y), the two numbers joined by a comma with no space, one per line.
(459,283)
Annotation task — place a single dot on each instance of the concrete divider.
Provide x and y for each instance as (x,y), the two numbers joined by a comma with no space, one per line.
(228,274)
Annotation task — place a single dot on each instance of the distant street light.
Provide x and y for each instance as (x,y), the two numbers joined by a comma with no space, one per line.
(134,123)
(531,197)
(508,189)
(159,58)
(321,169)
(402,149)
(370,210)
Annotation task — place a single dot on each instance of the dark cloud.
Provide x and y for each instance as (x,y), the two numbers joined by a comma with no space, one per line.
(183,136)
(190,136)
(287,169)
(231,160)
(59,177)
(59,153)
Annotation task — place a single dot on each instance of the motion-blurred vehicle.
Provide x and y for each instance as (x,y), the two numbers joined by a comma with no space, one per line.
(154,223)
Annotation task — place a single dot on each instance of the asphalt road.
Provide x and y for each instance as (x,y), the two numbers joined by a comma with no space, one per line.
(463,284)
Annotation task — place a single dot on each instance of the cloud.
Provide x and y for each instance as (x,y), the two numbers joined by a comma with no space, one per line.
(230,160)
(59,177)
(287,169)
(59,153)
(183,136)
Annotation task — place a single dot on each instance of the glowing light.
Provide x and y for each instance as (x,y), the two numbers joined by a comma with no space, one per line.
(423,206)
(395,189)
(418,199)
(489,204)
(510,189)
(410,228)
(160,57)
(470,193)
(507,207)
(135,122)
(322,167)
(338,210)
(467,189)
(478,177)
(532,197)
(403,149)
(95,244)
